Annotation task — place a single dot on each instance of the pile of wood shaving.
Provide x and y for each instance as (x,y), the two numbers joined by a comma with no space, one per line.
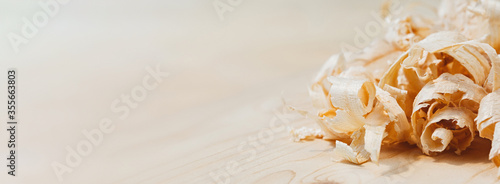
(431,83)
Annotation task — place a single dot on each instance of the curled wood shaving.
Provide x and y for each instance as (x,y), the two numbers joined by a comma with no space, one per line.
(487,123)
(448,127)
(488,115)
(355,152)
(446,92)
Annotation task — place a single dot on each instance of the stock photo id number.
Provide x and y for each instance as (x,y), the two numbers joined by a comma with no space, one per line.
(12,121)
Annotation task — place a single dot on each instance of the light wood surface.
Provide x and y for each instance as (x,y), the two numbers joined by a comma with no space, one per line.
(215,118)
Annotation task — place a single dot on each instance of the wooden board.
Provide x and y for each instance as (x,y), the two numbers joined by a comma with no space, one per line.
(217,117)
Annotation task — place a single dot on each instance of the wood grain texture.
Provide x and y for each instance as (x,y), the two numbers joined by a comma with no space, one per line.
(217,118)
(283,161)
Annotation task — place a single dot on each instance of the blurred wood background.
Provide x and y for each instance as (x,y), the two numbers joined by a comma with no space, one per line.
(216,118)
